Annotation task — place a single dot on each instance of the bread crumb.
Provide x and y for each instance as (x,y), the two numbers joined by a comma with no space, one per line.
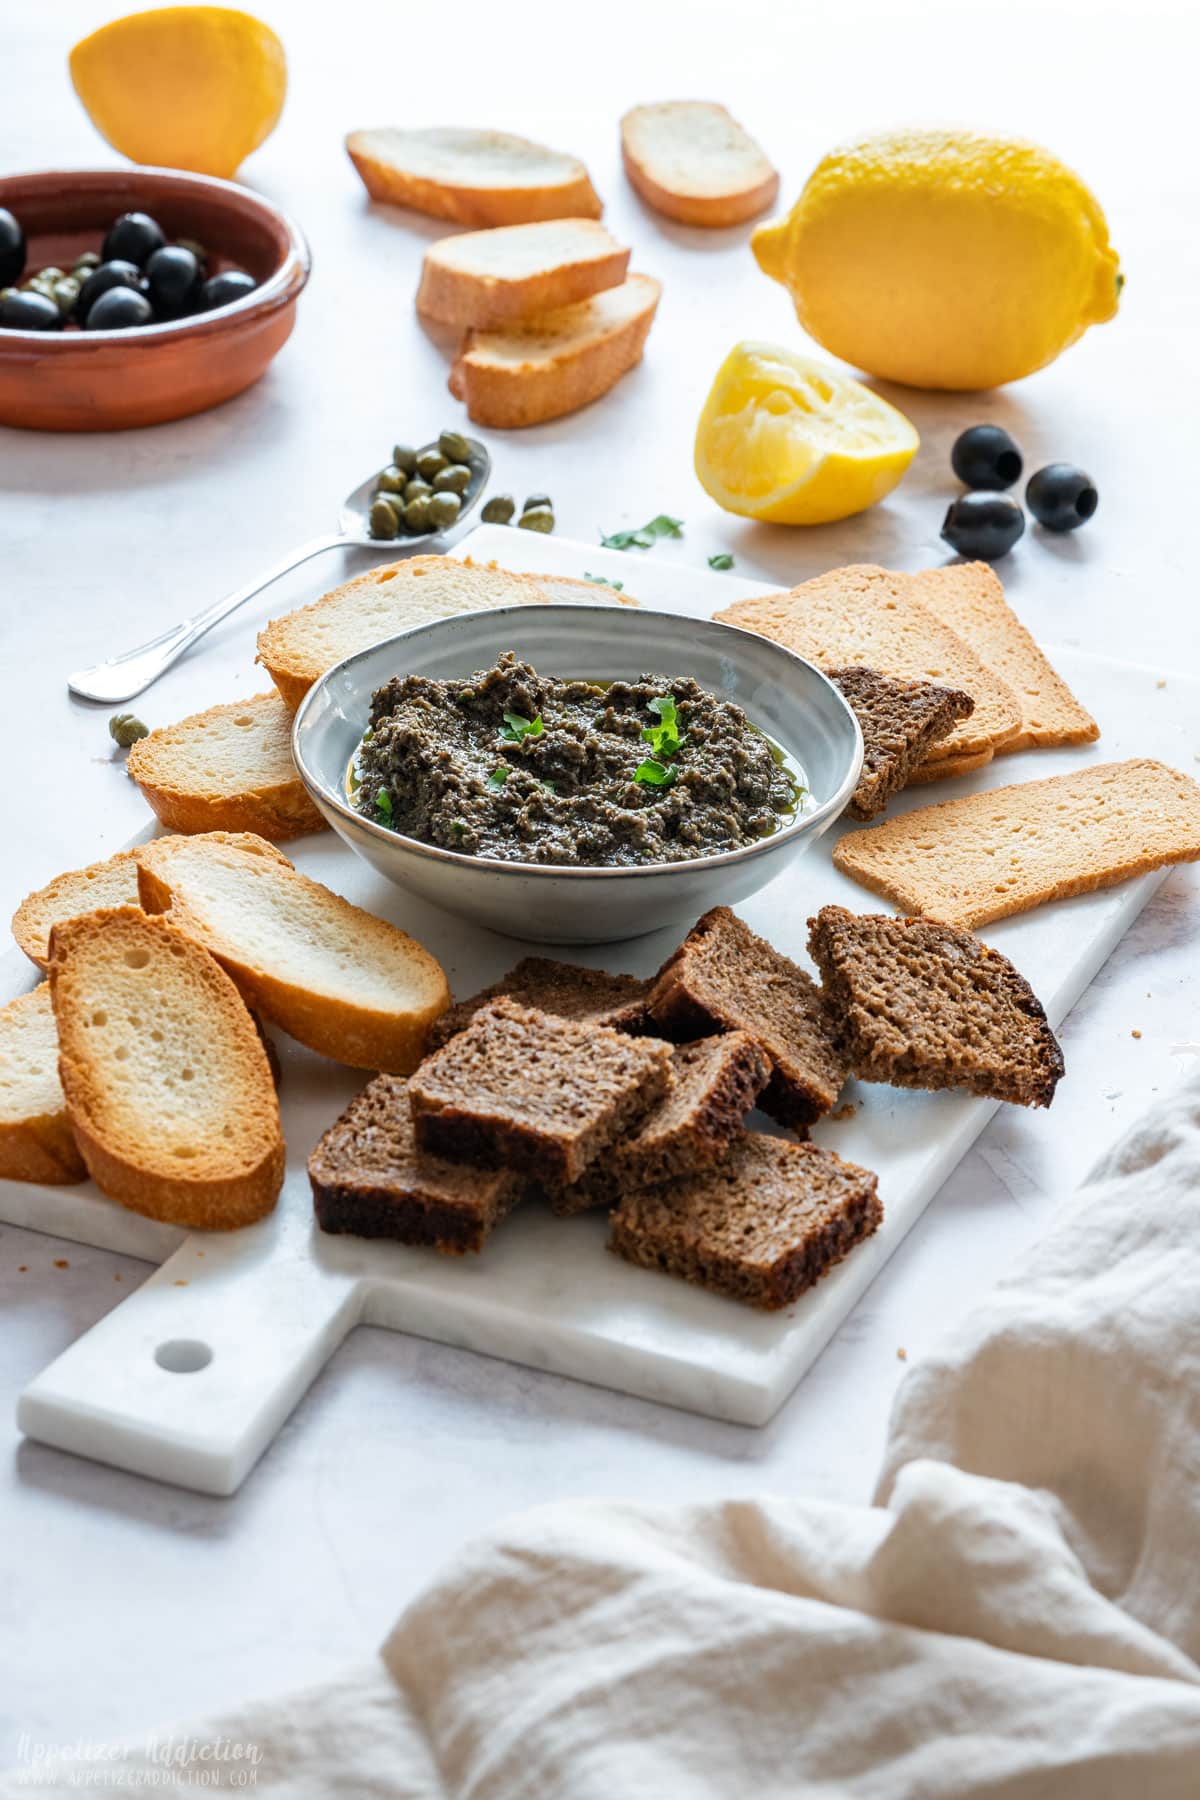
(22,1268)
(845,1112)
(60,1262)
(1160,684)
(181,1284)
(1136,1034)
(117,1275)
(902,1354)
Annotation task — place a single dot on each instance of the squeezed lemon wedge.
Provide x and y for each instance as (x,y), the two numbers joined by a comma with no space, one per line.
(789,440)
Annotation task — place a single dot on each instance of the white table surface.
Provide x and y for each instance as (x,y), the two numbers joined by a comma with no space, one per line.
(133,1603)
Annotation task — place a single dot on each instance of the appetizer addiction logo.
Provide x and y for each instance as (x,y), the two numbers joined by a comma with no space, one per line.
(164,1762)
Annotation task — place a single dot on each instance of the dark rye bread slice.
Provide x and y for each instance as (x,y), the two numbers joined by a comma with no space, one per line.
(717,1081)
(901,721)
(592,996)
(523,1089)
(924,1005)
(724,978)
(369,1178)
(761,1226)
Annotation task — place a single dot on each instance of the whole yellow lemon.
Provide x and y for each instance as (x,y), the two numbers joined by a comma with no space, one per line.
(944,259)
(184,87)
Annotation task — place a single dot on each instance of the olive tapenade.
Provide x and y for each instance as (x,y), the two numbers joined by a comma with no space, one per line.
(522,767)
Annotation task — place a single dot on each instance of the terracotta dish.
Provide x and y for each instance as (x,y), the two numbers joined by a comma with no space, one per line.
(107,380)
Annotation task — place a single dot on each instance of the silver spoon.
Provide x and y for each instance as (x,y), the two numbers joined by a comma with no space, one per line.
(121,677)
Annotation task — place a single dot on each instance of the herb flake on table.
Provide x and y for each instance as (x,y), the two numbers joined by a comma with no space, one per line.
(603,581)
(723,560)
(643,537)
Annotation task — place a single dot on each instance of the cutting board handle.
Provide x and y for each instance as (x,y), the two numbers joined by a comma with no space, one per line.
(189,1379)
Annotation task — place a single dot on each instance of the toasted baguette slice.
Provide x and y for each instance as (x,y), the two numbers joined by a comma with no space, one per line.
(336,978)
(112,882)
(36,1141)
(227,769)
(558,363)
(518,272)
(472,177)
(297,649)
(166,1081)
(692,161)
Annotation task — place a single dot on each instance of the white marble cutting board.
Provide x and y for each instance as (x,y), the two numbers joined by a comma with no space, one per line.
(191,1376)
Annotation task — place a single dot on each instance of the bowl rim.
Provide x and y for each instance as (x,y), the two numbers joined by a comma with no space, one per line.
(803,824)
(279,289)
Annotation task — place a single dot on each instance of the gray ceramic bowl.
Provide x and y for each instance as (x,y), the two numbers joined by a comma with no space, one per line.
(781,693)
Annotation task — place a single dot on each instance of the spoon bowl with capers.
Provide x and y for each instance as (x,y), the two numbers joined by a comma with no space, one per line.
(417,499)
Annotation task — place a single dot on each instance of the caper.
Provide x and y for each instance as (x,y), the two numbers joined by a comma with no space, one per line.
(89,260)
(417,489)
(404,457)
(385,522)
(537,518)
(126,729)
(416,515)
(391,480)
(431,463)
(537,500)
(51,273)
(454,447)
(39,284)
(499,510)
(454,480)
(66,292)
(443,510)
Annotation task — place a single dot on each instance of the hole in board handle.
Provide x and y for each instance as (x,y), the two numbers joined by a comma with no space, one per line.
(183,1356)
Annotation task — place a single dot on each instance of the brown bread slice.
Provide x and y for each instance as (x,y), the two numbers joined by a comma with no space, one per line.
(717,1081)
(36,1141)
(522,1089)
(112,882)
(923,1005)
(471,176)
(227,769)
(369,1178)
(947,768)
(761,1226)
(901,720)
(724,978)
(166,1081)
(1008,849)
(592,996)
(863,614)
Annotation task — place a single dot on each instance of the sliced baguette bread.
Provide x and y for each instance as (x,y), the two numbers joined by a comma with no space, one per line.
(472,177)
(297,649)
(517,272)
(692,161)
(112,882)
(227,769)
(557,363)
(36,1141)
(165,1078)
(336,978)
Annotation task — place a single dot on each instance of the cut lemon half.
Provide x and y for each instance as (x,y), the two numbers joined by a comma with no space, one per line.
(787,439)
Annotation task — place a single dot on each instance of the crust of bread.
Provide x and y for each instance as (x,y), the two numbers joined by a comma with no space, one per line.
(36,1141)
(112,882)
(691,161)
(473,202)
(948,768)
(501,277)
(163,1160)
(179,771)
(558,363)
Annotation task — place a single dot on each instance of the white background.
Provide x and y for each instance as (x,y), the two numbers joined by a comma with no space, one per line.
(132,1603)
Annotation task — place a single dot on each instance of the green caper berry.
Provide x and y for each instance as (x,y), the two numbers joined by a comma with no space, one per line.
(499,510)
(89,260)
(443,510)
(537,500)
(391,480)
(431,463)
(417,489)
(454,447)
(38,284)
(404,457)
(454,480)
(52,273)
(416,515)
(384,521)
(536,518)
(126,729)
(66,292)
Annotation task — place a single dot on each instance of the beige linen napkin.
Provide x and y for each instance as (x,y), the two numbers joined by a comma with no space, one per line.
(1017,1616)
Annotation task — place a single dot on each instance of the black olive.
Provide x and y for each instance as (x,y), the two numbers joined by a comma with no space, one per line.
(12,248)
(108,275)
(29,311)
(173,281)
(1061,497)
(134,237)
(986,457)
(224,289)
(986,525)
(118,309)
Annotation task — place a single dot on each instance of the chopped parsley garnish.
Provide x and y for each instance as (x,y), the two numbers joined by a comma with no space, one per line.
(498,777)
(655,774)
(603,581)
(663,738)
(383,805)
(721,561)
(643,537)
(517,729)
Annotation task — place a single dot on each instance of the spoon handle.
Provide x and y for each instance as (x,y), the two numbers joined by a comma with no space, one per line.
(121,677)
